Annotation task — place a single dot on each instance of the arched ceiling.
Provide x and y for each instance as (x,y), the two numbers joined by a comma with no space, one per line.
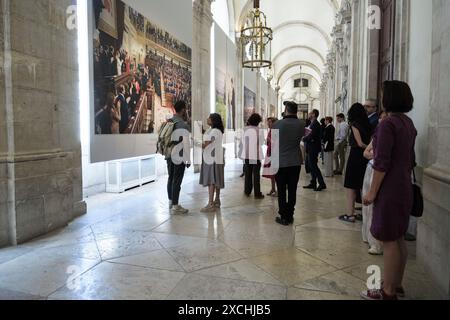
(302,31)
(293,71)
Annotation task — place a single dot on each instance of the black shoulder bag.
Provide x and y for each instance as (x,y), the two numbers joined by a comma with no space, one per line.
(417,209)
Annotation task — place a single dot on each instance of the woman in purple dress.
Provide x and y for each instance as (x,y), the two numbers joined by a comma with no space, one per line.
(391,191)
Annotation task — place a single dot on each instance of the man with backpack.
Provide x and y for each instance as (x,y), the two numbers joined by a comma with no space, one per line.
(165,147)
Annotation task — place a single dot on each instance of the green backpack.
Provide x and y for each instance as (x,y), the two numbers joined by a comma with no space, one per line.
(165,143)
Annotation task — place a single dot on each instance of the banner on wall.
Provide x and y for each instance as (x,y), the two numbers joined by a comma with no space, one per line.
(249,103)
(221,94)
(225,64)
(231,102)
(273,111)
(264,110)
(140,71)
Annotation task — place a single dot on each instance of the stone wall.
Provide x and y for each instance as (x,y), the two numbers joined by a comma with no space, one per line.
(434,228)
(4,227)
(43,153)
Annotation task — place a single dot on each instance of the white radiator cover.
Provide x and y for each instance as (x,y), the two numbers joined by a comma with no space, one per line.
(125,174)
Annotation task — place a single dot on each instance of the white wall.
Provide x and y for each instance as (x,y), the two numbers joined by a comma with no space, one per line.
(420,71)
(220,11)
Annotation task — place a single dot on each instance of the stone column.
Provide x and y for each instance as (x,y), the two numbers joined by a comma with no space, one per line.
(331,72)
(433,243)
(40,150)
(239,87)
(373,51)
(279,105)
(201,65)
(339,76)
(258,92)
(346,12)
(401,53)
(354,67)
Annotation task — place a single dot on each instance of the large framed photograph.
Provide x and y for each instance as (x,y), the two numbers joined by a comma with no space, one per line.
(138,76)
(108,18)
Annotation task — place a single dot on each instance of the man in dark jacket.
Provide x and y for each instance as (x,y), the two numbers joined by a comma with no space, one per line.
(313,143)
(372,112)
(290,133)
(328,142)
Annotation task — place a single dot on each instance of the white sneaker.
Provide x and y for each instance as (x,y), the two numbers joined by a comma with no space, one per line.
(209,208)
(375,251)
(179,210)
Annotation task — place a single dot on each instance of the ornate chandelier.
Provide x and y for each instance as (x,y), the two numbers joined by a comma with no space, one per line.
(256,39)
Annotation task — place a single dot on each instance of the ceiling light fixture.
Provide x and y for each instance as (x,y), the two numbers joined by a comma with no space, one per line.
(256,40)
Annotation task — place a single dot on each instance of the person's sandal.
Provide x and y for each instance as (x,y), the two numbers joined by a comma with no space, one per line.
(400,291)
(346,218)
(209,208)
(377,294)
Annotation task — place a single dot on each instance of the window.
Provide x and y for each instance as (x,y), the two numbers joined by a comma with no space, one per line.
(304,83)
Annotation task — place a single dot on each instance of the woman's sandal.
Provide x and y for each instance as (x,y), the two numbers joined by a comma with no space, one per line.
(347,218)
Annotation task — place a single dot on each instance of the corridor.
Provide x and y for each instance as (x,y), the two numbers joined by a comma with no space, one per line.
(128,246)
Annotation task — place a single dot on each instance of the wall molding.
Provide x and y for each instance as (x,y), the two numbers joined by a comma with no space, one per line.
(32,156)
(438,172)
(436,186)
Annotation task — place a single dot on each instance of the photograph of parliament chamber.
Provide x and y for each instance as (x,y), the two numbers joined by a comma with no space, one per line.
(90,210)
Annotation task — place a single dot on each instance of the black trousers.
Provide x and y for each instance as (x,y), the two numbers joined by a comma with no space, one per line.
(307,169)
(313,158)
(176,175)
(252,177)
(287,179)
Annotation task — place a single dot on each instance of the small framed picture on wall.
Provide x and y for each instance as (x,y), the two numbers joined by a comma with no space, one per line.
(108,18)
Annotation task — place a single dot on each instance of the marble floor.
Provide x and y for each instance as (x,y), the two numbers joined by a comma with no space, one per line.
(129,246)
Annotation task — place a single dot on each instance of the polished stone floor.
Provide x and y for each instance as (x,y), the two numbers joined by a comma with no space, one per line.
(128,246)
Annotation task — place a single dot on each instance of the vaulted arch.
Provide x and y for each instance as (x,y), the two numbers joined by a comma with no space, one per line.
(293,74)
(306,24)
(300,49)
(298,64)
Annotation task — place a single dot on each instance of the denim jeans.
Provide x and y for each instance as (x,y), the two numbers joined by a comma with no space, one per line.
(176,175)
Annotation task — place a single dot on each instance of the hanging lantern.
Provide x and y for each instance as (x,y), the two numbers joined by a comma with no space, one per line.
(256,39)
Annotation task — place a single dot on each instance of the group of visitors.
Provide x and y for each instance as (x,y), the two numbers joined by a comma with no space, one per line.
(378,174)
(379,170)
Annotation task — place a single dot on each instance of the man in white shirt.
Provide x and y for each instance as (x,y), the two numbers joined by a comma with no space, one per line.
(341,144)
